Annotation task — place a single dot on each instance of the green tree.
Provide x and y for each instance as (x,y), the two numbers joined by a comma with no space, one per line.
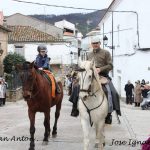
(11,60)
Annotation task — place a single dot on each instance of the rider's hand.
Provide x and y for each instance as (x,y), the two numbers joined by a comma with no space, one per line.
(40,68)
(98,70)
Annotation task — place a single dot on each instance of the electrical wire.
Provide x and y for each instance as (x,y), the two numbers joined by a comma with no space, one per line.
(70,7)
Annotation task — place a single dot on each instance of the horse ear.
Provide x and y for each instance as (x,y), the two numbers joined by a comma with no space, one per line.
(32,64)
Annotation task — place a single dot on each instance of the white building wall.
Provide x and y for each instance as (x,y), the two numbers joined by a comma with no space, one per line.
(135,66)
(60,53)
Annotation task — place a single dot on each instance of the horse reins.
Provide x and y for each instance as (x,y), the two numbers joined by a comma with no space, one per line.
(93,94)
(89,110)
(89,90)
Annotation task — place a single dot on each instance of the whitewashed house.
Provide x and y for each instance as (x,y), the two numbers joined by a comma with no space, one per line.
(126,27)
(24,40)
(62,46)
(73,36)
(28,33)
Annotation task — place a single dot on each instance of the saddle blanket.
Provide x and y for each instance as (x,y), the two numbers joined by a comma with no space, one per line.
(50,75)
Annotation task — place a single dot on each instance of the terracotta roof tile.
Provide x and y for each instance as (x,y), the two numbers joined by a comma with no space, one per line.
(29,34)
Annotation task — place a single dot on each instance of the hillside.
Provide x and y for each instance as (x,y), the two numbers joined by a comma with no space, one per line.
(84,22)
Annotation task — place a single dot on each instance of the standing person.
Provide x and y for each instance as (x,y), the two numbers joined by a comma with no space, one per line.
(2,92)
(129,92)
(74,97)
(42,62)
(103,63)
(138,92)
(144,90)
(68,84)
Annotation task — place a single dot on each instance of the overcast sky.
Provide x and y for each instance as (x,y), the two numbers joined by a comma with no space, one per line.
(10,7)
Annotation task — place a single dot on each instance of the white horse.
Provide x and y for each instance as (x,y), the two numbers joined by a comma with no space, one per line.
(93,105)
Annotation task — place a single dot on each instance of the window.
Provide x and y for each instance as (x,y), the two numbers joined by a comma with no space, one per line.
(19,49)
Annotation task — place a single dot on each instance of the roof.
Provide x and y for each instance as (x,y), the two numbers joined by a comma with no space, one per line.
(29,34)
(29,21)
(109,9)
(4,28)
(30,16)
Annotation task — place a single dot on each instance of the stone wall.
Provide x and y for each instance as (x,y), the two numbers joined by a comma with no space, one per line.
(14,95)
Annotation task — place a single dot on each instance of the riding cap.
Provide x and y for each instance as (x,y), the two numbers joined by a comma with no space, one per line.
(41,47)
(95,40)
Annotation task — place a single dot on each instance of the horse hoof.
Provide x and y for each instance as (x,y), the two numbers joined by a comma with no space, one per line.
(96,145)
(54,135)
(104,144)
(31,148)
(45,143)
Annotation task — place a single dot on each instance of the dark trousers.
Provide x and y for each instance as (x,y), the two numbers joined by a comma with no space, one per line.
(137,104)
(75,111)
(128,98)
(1,101)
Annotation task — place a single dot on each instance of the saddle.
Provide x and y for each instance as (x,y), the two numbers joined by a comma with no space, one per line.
(51,78)
(103,80)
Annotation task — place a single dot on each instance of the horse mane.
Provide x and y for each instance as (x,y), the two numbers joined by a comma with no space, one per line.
(27,65)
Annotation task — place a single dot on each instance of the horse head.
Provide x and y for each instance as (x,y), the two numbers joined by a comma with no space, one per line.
(87,72)
(28,77)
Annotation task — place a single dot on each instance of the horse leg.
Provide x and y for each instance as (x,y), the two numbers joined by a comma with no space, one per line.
(32,129)
(47,127)
(57,113)
(100,135)
(86,132)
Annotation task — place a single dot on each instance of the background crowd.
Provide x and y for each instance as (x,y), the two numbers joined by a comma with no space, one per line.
(3,86)
(137,93)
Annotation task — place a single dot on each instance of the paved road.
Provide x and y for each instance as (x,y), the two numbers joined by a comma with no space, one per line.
(14,124)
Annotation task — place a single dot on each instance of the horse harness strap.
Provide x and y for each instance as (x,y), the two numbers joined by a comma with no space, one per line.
(89,110)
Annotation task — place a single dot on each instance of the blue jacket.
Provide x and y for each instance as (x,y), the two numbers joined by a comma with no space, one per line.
(42,62)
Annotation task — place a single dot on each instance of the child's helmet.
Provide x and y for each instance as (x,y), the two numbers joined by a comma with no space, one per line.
(41,47)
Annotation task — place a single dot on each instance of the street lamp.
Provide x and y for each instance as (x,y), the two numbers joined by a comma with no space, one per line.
(105,40)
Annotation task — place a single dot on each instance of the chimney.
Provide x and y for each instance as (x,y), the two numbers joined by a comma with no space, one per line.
(1,18)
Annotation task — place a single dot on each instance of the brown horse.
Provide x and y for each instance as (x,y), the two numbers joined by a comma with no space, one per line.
(37,92)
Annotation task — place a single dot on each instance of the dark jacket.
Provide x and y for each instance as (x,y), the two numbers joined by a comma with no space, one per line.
(115,98)
(129,89)
(75,93)
(42,62)
(102,60)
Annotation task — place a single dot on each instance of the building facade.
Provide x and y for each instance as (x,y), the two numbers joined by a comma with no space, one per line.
(126,26)
(3,42)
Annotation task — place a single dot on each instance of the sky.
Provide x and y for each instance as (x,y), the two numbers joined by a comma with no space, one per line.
(10,7)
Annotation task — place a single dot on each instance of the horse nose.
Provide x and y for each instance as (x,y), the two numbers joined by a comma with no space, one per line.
(26,94)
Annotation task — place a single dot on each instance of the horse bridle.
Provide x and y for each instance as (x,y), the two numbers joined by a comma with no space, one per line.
(93,94)
(31,87)
(89,89)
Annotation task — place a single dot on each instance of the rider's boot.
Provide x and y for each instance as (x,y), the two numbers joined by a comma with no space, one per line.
(108,119)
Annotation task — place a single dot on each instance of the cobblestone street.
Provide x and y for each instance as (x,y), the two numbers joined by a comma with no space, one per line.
(14,124)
